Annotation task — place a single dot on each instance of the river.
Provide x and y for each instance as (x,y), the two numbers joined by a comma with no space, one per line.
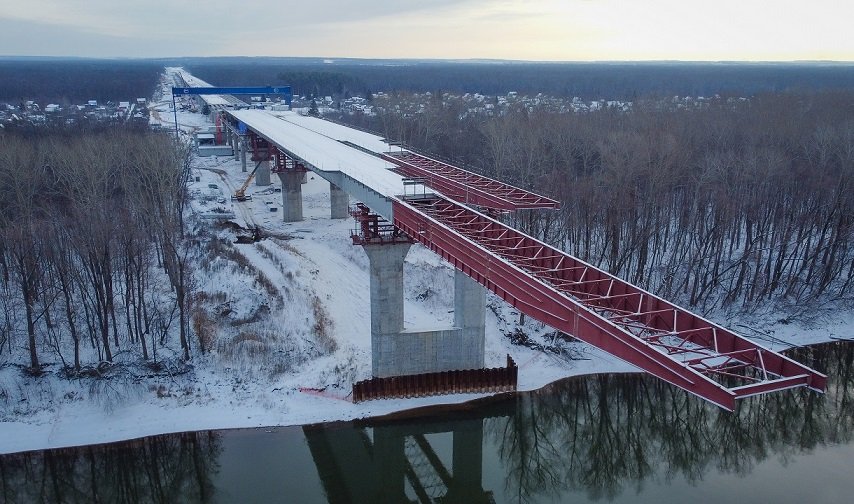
(599,438)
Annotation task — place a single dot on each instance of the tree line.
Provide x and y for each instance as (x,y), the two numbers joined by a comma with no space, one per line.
(590,81)
(736,204)
(76,81)
(92,255)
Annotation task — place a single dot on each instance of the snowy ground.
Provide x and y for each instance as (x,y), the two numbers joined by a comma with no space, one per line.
(309,259)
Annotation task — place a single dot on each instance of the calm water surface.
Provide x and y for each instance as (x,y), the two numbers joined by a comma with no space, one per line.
(589,439)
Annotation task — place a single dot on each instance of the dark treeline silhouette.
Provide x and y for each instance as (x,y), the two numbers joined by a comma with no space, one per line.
(161,469)
(76,81)
(586,80)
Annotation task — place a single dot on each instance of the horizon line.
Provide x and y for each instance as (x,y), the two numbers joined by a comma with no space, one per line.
(332,59)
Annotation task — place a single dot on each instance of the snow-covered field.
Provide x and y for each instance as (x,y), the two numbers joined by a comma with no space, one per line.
(286,376)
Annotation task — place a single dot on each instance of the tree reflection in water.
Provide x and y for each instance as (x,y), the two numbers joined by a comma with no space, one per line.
(605,433)
(159,469)
(599,435)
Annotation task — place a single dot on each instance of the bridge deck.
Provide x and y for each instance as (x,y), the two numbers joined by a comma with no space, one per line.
(460,185)
(545,283)
(365,176)
(218,101)
(362,139)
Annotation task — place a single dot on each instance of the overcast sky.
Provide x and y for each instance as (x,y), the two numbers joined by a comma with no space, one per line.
(571,30)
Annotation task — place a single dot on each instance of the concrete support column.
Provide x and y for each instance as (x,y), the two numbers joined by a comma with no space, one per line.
(262,174)
(470,317)
(235,145)
(340,202)
(386,274)
(291,195)
(243,154)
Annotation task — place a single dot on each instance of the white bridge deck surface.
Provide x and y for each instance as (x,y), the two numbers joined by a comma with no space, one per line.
(193,81)
(324,153)
(369,141)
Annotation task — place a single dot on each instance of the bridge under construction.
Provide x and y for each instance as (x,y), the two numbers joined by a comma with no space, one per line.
(406,197)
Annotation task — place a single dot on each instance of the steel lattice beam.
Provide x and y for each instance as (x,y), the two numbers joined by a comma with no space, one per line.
(583,301)
(467,187)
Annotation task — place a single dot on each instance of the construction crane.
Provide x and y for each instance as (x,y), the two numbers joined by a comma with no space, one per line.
(240,194)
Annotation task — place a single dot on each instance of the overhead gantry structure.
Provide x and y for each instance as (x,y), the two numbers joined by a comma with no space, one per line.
(452,216)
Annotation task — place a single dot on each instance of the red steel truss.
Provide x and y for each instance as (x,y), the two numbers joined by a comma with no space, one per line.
(465,186)
(261,150)
(283,163)
(583,301)
(373,229)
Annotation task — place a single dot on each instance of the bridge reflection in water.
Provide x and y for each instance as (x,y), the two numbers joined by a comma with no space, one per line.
(614,437)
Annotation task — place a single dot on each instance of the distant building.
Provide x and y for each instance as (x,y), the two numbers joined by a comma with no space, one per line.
(51,108)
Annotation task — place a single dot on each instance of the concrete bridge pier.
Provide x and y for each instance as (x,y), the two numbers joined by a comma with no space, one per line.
(243,154)
(340,202)
(386,279)
(291,194)
(470,318)
(262,174)
(235,145)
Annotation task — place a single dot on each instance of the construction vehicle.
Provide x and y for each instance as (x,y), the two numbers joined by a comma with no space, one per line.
(240,194)
(257,235)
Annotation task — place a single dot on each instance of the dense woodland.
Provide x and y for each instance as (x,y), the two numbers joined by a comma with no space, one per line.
(736,204)
(590,81)
(92,254)
(76,81)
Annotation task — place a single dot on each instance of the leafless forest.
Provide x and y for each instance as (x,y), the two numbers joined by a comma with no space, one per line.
(92,255)
(736,204)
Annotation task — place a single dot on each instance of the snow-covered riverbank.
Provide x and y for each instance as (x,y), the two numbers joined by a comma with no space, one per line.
(77,413)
